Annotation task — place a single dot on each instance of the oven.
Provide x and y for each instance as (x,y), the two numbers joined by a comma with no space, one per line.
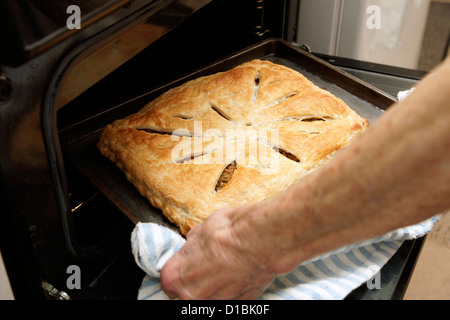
(67,68)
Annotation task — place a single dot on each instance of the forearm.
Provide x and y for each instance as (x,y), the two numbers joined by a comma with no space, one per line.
(396,174)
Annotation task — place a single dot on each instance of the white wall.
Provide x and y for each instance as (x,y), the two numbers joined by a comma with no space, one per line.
(339,27)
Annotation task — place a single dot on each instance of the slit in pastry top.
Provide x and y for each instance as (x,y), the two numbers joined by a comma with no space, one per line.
(178,132)
(226,176)
(288,155)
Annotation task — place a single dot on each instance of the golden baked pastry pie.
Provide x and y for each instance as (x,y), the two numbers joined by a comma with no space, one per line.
(227,139)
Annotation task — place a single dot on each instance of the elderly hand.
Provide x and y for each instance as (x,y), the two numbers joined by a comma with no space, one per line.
(217,262)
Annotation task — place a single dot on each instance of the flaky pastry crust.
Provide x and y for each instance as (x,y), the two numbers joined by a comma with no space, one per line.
(269,121)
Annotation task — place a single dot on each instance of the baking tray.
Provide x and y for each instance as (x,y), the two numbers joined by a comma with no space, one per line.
(79,144)
(80,140)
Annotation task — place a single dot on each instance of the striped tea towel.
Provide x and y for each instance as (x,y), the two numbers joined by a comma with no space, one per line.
(331,276)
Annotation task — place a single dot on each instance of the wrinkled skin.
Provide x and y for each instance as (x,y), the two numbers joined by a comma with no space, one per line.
(225,268)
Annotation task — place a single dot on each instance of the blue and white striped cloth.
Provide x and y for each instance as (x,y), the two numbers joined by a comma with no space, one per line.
(331,276)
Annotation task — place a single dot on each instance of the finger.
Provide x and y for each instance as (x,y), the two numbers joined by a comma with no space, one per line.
(170,277)
(192,232)
(174,289)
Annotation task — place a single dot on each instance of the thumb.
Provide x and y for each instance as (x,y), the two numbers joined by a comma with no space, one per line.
(169,276)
